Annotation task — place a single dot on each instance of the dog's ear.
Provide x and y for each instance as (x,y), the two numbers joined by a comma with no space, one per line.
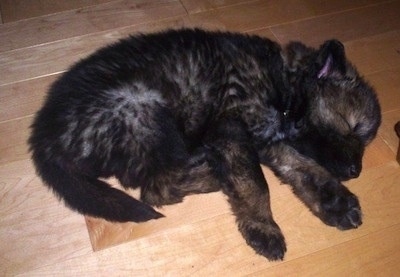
(331,59)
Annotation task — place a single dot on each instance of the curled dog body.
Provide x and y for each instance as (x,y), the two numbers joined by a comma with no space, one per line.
(190,111)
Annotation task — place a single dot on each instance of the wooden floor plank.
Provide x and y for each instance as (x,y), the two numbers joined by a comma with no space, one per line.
(14,10)
(372,255)
(346,26)
(27,208)
(14,135)
(267,13)
(195,6)
(387,130)
(51,58)
(24,98)
(375,53)
(55,57)
(86,20)
(387,85)
(377,153)
(104,234)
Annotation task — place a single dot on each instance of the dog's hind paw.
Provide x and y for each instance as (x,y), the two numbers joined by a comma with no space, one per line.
(340,207)
(268,241)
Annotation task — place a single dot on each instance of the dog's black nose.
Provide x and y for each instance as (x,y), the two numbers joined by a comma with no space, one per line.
(354,172)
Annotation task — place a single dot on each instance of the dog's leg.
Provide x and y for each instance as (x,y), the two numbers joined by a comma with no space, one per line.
(176,175)
(197,175)
(192,177)
(236,165)
(324,195)
(170,186)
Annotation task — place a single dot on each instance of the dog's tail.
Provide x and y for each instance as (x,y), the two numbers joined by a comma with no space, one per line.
(94,197)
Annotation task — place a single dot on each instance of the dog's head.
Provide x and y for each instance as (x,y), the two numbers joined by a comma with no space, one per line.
(343,112)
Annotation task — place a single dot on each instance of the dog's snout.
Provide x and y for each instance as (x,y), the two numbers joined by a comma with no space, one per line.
(354,171)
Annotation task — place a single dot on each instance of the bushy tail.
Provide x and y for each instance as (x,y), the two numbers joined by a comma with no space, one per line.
(93,197)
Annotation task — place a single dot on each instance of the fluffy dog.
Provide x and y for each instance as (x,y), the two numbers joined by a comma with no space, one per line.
(190,111)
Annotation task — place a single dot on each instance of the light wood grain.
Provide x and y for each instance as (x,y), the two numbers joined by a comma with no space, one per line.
(39,236)
(366,256)
(347,25)
(35,228)
(15,10)
(388,134)
(387,85)
(24,98)
(270,13)
(375,53)
(35,61)
(13,145)
(85,20)
(194,6)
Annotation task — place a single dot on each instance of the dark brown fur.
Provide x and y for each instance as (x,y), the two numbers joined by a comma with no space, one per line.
(189,111)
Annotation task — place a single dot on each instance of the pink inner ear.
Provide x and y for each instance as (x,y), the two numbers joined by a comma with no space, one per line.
(325,70)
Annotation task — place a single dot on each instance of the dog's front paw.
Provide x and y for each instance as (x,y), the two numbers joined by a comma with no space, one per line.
(266,240)
(340,207)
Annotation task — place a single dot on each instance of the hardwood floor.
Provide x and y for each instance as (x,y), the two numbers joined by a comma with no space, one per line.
(39,39)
